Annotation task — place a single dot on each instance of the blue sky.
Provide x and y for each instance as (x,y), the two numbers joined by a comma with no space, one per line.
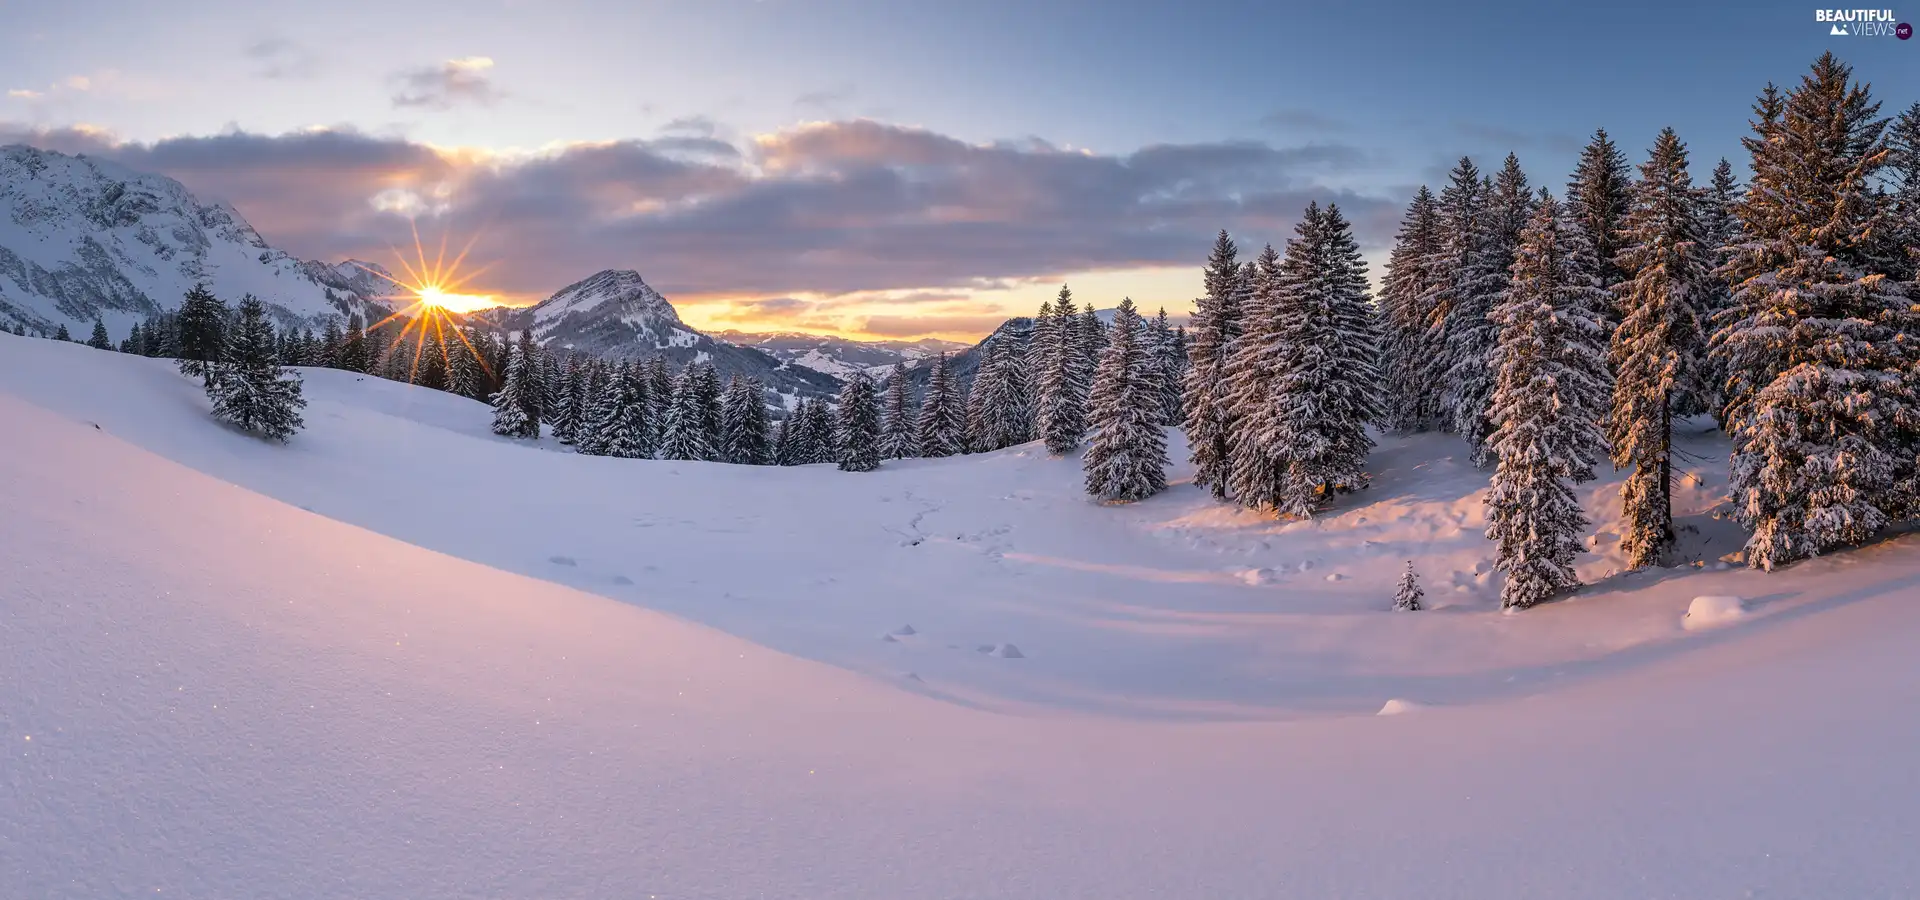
(1000,146)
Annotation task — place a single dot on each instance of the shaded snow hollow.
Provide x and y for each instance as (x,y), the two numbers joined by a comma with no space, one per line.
(208,691)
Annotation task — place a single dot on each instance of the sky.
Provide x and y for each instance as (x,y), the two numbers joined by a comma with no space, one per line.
(875,168)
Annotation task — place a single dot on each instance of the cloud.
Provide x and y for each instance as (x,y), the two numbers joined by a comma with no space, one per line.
(25,94)
(282,59)
(854,215)
(448,84)
(892,326)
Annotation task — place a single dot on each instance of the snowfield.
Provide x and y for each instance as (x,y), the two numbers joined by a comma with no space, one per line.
(401,657)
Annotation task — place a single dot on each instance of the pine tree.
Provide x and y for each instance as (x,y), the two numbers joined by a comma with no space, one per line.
(1063,379)
(1126,459)
(625,434)
(573,391)
(1411,283)
(354,355)
(822,439)
(1903,230)
(899,425)
(510,416)
(659,396)
(1477,219)
(202,330)
(330,342)
(1216,323)
(743,424)
(1660,347)
(782,443)
(1256,361)
(1407,598)
(1171,360)
(1719,231)
(99,340)
(61,333)
(430,364)
(1598,199)
(464,375)
(943,430)
(686,431)
(1093,337)
(1817,344)
(599,407)
(999,414)
(533,391)
(859,425)
(251,390)
(1551,385)
(1041,342)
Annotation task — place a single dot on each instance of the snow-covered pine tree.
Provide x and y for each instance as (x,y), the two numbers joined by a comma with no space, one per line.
(743,423)
(1408,346)
(599,405)
(1719,230)
(464,375)
(859,425)
(1216,323)
(251,390)
(943,429)
(1597,199)
(510,418)
(659,395)
(1063,379)
(1476,218)
(430,361)
(1126,458)
(551,385)
(1659,349)
(533,390)
(823,436)
(1903,232)
(782,444)
(1407,597)
(1040,340)
(707,389)
(1171,359)
(1256,361)
(99,339)
(626,434)
(330,341)
(62,334)
(566,423)
(899,422)
(1817,344)
(805,444)
(353,350)
(998,413)
(202,325)
(1093,336)
(685,437)
(1550,388)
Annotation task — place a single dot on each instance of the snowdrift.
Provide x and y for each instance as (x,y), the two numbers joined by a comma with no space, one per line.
(474,668)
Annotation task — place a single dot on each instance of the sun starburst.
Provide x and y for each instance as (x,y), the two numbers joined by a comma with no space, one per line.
(438,300)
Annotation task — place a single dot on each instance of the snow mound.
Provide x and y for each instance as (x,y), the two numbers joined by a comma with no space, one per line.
(1397,706)
(1711,611)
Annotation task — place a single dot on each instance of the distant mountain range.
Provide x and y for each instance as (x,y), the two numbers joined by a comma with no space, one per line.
(838,356)
(83,239)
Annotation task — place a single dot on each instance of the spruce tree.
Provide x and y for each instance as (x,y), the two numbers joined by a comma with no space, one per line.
(510,416)
(859,425)
(599,407)
(1093,337)
(899,422)
(202,331)
(943,429)
(1255,473)
(330,342)
(61,334)
(1126,458)
(822,437)
(743,423)
(251,390)
(354,354)
(685,437)
(707,390)
(1409,330)
(1817,343)
(1659,349)
(625,433)
(999,414)
(1903,228)
(1719,231)
(659,395)
(1216,323)
(99,339)
(1040,342)
(1063,379)
(1408,596)
(783,441)
(533,391)
(1598,199)
(1171,359)
(573,391)
(1550,387)
(464,375)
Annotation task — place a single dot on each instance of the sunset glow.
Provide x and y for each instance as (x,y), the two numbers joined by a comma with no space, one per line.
(435,296)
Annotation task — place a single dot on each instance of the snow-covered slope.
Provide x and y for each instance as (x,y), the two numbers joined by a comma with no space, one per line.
(615,314)
(234,669)
(838,356)
(84,239)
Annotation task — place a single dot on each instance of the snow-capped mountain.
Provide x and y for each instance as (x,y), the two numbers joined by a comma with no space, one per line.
(615,314)
(838,356)
(83,239)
